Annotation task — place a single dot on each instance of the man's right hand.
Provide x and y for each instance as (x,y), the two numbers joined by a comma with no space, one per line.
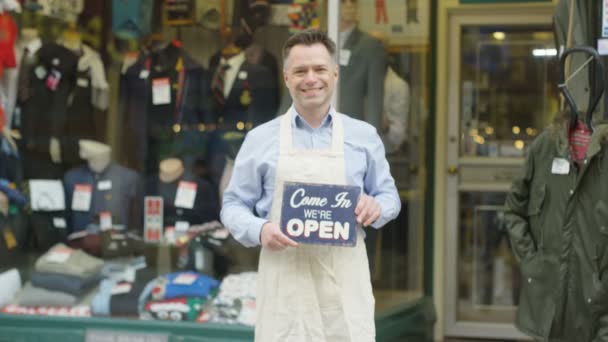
(273,238)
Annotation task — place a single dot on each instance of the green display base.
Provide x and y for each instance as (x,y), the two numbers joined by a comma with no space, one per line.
(411,322)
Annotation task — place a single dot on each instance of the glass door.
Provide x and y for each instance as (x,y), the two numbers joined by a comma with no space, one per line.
(502,93)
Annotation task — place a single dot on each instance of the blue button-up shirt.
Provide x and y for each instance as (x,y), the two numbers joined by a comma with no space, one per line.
(248,197)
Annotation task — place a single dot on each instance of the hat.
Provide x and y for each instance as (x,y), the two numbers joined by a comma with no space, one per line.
(208,13)
(14,195)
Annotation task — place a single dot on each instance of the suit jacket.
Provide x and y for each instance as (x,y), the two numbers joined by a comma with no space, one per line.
(362,80)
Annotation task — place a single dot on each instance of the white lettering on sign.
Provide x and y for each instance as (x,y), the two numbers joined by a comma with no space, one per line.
(325,229)
(299,198)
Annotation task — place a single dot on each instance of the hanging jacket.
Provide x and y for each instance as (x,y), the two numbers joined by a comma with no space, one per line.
(558,225)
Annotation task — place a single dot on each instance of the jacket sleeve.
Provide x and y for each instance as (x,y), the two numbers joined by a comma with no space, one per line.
(516,211)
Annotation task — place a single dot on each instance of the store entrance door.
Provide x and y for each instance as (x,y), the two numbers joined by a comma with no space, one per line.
(502,93)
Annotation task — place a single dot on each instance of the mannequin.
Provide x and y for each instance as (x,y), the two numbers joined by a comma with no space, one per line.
(97,155)
(171,176)
(170,170)
(362,69)
(101,186)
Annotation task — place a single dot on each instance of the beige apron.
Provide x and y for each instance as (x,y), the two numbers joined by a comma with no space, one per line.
(313,293)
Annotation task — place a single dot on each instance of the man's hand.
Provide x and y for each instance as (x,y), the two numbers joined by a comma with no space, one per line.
(367,210)
(273,238)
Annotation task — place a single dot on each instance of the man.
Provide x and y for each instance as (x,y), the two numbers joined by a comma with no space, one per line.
(310,292)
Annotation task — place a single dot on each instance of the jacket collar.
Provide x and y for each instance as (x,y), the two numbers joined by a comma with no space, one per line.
(600,135)
(353,39)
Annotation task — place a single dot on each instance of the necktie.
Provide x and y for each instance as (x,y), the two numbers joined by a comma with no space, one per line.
(217,84)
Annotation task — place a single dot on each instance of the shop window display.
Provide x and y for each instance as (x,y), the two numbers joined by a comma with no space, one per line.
(121,127)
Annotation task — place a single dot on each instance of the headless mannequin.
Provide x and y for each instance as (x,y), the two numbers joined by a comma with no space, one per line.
(170,170)
(97,155)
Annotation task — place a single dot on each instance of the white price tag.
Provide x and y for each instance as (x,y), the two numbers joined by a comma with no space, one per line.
(81,198)
(59,255)
(186,192)
(560,166)
(242,75)
(344,57)
(605,19)
(82,82)
(144,73)
(46,195)
(105,220)
(182,226)
(59,222)
(104,185)
(161,91)
(121,288)
(40,72)
(185,279)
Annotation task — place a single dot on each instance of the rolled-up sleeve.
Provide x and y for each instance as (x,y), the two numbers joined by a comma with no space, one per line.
(241,195)
(379,183)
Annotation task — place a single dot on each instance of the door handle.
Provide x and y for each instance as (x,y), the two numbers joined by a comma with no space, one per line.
(453,170)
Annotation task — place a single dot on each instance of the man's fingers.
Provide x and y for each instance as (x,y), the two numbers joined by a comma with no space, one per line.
(372,217)
(360,204)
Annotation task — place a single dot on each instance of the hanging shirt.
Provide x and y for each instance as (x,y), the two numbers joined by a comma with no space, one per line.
(235,63)
(251,186)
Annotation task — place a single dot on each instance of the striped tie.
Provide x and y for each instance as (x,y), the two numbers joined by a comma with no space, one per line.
(217,85)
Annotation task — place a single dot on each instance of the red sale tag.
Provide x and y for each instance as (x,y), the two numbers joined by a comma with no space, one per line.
(81,198)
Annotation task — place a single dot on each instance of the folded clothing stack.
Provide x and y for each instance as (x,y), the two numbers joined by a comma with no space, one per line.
(235,303)
(178,296)
(62,274)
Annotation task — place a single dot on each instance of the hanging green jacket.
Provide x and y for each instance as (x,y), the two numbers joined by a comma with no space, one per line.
(557,219)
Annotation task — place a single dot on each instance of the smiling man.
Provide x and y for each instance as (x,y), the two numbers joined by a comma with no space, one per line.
(310,292)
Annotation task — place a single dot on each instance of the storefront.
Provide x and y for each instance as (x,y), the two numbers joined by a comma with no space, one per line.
(115,110)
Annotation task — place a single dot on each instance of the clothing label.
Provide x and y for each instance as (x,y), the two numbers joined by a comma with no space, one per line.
(46,195)
(121,288)
(182,226)
(104,185)
(105,220)
(602,46)
(82,82)
(186,192)
(59,255)
(344,57)
(40,72)
(199,259)
(144,73)
(560,166)
(185,279)
(242,75)
(605,19)
(59,222)
(161,91)
(9,239)
(81,199)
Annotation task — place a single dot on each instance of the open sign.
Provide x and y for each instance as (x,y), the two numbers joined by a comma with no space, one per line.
(320,213)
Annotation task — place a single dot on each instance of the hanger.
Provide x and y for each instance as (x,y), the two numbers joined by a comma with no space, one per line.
(594,95)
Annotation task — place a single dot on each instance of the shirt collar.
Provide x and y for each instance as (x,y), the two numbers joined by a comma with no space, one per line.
(344,35)
(298,121)
(234,61)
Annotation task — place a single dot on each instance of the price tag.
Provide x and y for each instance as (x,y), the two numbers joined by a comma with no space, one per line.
(344,57)
(105,220)
(161,91)
(153,218)
(121,288)
(81,199)
(59,223)
(144,74)
(186,192)
(104,185)
(9,239)
(59,255)
(185,279)
(82,82)
(46,195)
(182,226)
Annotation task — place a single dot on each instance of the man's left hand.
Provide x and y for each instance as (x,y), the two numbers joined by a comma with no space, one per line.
(367,210)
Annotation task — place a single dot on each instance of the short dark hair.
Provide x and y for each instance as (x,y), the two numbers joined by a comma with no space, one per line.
(308,38)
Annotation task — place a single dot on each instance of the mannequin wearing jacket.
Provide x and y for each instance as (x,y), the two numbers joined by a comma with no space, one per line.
(172,172)
(362,69)
(113,188)
(556,216)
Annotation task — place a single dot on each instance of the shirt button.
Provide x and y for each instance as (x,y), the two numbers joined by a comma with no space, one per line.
(529,280)
(571,191)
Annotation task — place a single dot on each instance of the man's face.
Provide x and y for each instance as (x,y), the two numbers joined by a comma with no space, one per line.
(348,14)
(310,74)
